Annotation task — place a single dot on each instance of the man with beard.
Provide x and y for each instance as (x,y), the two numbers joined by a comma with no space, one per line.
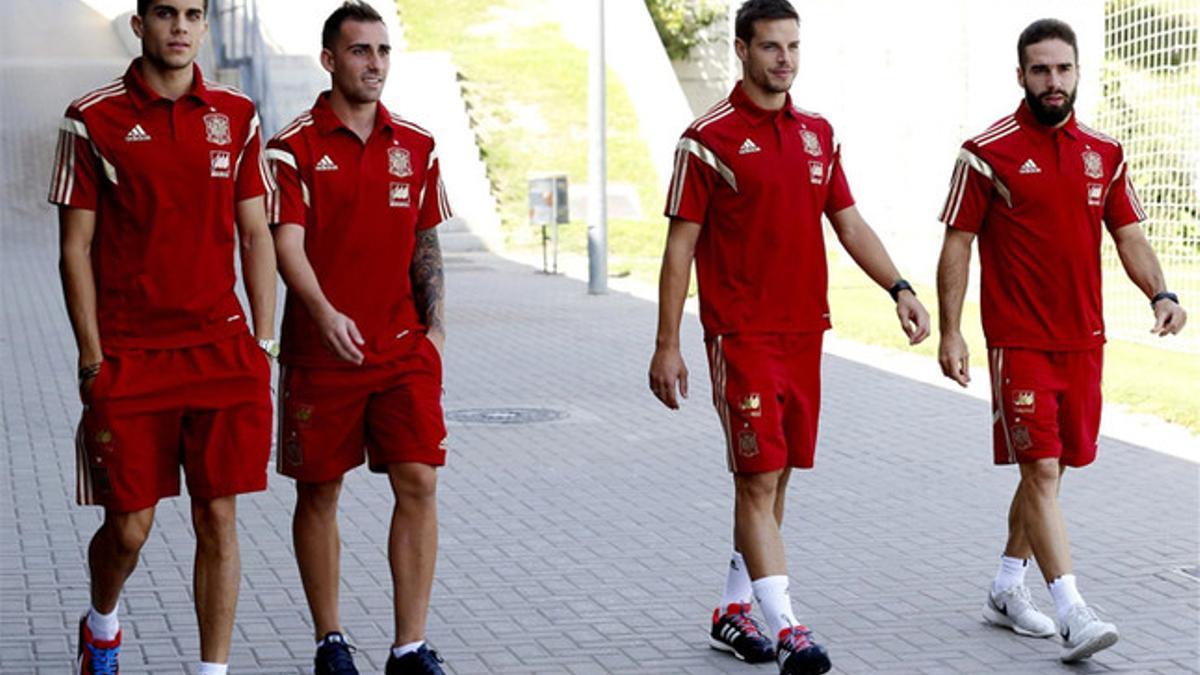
(360,197)
(1035,188)
(752,178)
(157,175)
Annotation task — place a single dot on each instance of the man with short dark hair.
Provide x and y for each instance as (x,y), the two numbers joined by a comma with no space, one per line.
(752,178)
(152,173)
(1037,187)
(360,198)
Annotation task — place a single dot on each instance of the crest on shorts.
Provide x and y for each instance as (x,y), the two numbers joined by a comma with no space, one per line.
(104,436)
(747,443)
(812,145)
(1020,437)
(1093,165)
(216,128)
(398,195)
(751,405)
(293,452)
(399,162)
(1024,401)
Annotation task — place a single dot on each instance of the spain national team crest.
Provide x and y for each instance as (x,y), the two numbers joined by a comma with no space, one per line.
(216,128)
(398,195)
(1020,437)
(1024,401)
(1093,165)
(747,443)
(812,144)
(399,162)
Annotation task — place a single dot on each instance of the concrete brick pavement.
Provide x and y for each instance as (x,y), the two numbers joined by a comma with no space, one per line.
(596,543)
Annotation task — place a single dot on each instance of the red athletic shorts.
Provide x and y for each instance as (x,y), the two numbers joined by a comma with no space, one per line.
(332,419)
(767,391)
(207,408)
(1045,404)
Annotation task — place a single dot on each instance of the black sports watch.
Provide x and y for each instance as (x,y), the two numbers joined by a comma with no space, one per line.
(900,285)
(1163,295)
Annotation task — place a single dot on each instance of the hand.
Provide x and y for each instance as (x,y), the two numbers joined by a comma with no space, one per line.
(87,378)
(438,338)
(1169,318)
(667,371)
(954,359)
(914,320)
(341,336)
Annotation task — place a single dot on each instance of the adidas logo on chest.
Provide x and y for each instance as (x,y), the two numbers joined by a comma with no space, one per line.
(1029,167)
(748,146)
(137,134)
(326,164)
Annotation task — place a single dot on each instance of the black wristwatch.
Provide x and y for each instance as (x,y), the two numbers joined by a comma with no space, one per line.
(900,285)
(1163,295)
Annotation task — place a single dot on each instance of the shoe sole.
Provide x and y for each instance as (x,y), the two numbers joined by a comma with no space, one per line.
(997,619)
(1098,643)
(728,649)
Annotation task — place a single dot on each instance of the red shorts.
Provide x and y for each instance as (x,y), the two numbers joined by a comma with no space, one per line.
(767,391)
(207,408)
(332,419)
(1045,404)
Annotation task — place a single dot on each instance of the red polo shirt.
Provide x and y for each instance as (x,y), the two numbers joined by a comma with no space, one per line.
(360,205)
(163,178)
(1037,196)
(757,181)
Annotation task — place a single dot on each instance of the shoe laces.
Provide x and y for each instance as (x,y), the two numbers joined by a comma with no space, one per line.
(745,623)
(795,638)
(339,654)
(430,659)
(103,661)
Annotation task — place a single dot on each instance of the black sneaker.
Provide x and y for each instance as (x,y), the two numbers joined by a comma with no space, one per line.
(424,661)
(737,633)
(799,655)
(335,656)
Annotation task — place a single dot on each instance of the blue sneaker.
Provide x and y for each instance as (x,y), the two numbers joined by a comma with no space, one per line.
(738,633)
(335,656)
(798,654)
(97,657)
(423,661)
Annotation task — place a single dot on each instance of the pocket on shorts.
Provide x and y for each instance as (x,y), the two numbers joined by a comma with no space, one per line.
(432,351)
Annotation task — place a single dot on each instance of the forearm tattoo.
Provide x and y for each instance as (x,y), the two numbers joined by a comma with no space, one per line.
(428,279)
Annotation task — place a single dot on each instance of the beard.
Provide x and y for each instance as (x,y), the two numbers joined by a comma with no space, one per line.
(1050,115)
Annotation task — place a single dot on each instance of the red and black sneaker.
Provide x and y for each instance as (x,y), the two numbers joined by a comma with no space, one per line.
(797,654)
(96,657)
(739,634)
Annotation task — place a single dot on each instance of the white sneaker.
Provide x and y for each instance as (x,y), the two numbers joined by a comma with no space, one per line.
(1084,634)
(1014,609)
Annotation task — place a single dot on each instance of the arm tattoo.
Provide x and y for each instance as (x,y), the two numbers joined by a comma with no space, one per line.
(428,279)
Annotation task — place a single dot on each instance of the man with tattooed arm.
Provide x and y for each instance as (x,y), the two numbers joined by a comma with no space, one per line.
(355,222)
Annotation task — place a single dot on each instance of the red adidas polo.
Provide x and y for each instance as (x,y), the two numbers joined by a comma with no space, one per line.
(360,206)
(1037,196)
(757,181)
(163,178)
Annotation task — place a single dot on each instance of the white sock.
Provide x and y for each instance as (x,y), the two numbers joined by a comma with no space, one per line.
(333,636)
(1011,573)
(406,648)
(1065,595)
(737,584)
(103,626)
(776,604)
(212,668)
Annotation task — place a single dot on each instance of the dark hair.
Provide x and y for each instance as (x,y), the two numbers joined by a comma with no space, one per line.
(143,6)
(1045,29)
(757,10)
(354,10)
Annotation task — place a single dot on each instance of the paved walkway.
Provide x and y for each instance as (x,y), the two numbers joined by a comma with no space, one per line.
(593,543)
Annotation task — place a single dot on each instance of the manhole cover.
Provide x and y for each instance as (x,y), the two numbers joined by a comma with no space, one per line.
(505,415)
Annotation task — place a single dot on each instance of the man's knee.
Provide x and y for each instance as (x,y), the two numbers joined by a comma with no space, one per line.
(319,497)
(413,481)
(129,531)
(757,488)
(1040,477)
(215,520)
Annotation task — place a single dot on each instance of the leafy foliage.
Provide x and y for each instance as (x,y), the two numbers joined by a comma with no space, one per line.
(682,24)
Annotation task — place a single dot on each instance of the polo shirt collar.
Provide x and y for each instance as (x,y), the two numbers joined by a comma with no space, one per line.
(750,110)
(142,94)
(328,122)
(1026,119)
